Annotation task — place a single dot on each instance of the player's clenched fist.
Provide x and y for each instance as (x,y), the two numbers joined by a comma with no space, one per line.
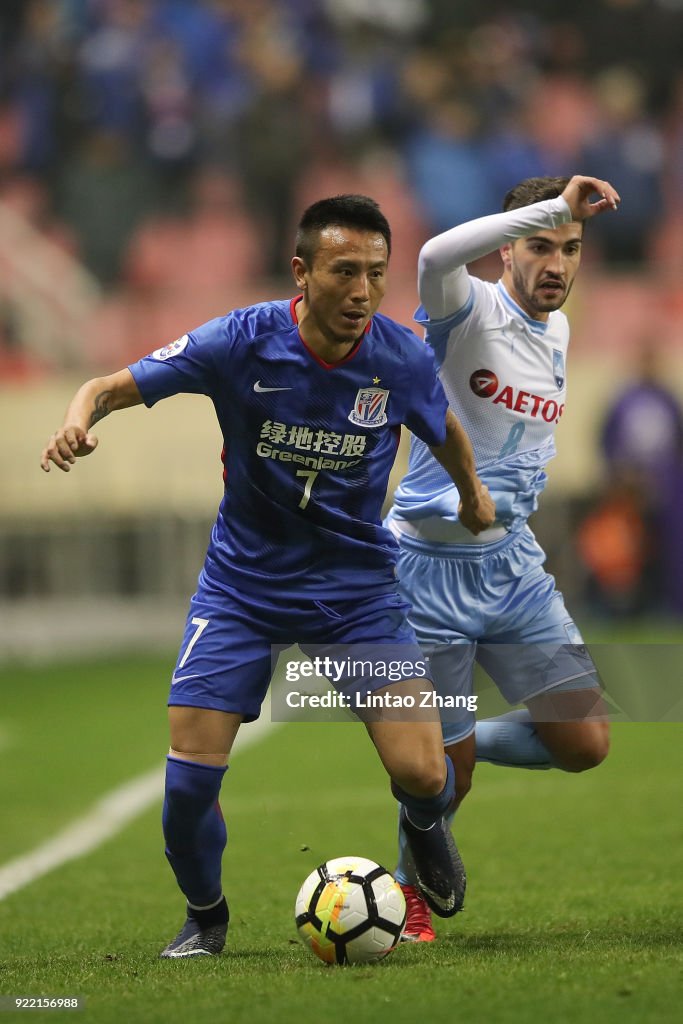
(479,514)
(65,446)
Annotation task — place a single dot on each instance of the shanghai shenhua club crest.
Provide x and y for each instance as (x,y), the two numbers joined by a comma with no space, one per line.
(369,407)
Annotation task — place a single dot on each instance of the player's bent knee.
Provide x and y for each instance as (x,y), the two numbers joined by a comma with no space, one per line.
(579,761)
(426,778)
(588,753)
(202,735)
(434,779)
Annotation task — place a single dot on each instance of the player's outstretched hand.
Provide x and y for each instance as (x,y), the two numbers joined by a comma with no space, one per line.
(578,194)
(479,514)
(65,446)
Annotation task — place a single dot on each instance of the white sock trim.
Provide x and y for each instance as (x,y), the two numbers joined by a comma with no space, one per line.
(422,828)
(192,906)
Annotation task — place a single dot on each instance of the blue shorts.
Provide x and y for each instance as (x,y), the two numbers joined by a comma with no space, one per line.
(493,603)
(232,640)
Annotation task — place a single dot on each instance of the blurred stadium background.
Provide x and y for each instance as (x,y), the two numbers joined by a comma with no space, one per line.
(154,158)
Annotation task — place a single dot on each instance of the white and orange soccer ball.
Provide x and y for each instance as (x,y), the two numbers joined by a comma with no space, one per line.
(350,910)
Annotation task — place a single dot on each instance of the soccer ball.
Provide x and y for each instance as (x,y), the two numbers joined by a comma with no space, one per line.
(350,911)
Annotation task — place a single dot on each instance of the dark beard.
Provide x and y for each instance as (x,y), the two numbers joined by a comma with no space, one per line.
(531,302)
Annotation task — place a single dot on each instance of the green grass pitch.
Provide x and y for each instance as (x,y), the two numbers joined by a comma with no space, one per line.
(575,897)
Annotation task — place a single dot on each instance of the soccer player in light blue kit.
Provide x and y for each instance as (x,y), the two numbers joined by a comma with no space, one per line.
(501,350)
(310,395)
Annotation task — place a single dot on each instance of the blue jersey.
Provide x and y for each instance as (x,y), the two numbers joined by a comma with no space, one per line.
(307,445)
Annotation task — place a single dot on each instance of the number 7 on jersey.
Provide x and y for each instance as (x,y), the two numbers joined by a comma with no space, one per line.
(310,475)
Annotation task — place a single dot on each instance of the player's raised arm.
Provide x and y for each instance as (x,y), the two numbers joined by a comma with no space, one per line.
(577,196)
(92,402)
(443,281)
(477,511)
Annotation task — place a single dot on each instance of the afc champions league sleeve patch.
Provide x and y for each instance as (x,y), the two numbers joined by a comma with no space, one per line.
(171,350)
(369,408)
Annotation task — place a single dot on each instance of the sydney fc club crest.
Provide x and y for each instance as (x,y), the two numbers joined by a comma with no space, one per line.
(369,409)
(558,368)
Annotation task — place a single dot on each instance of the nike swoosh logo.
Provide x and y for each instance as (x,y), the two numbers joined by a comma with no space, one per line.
(261,390)
(179,679)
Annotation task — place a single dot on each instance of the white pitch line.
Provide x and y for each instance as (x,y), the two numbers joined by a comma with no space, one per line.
(109,816)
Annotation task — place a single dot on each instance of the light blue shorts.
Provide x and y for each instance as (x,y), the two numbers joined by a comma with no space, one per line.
(496,605)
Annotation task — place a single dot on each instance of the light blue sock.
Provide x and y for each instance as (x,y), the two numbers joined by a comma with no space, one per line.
(512,740)
(405,868)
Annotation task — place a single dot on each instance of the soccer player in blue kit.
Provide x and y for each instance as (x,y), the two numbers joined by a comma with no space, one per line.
(501,352)
(310,395)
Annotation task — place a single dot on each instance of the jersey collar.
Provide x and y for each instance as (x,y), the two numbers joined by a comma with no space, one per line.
(321,362)
(537,326)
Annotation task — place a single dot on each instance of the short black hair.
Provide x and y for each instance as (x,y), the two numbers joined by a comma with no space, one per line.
(346,211)
(534,190)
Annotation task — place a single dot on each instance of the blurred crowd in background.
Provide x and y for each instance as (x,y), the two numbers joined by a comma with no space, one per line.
(629,537)
(114,110)
(169,147)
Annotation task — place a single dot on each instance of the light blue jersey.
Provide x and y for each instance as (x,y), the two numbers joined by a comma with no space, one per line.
(504,377)
(488,597)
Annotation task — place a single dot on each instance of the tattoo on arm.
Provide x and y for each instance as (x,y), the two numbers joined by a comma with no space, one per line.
(102,408)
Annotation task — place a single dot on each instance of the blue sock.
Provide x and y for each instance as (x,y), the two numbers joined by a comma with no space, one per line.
(512,740)
(423,811)
(405,867)
(194,829)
